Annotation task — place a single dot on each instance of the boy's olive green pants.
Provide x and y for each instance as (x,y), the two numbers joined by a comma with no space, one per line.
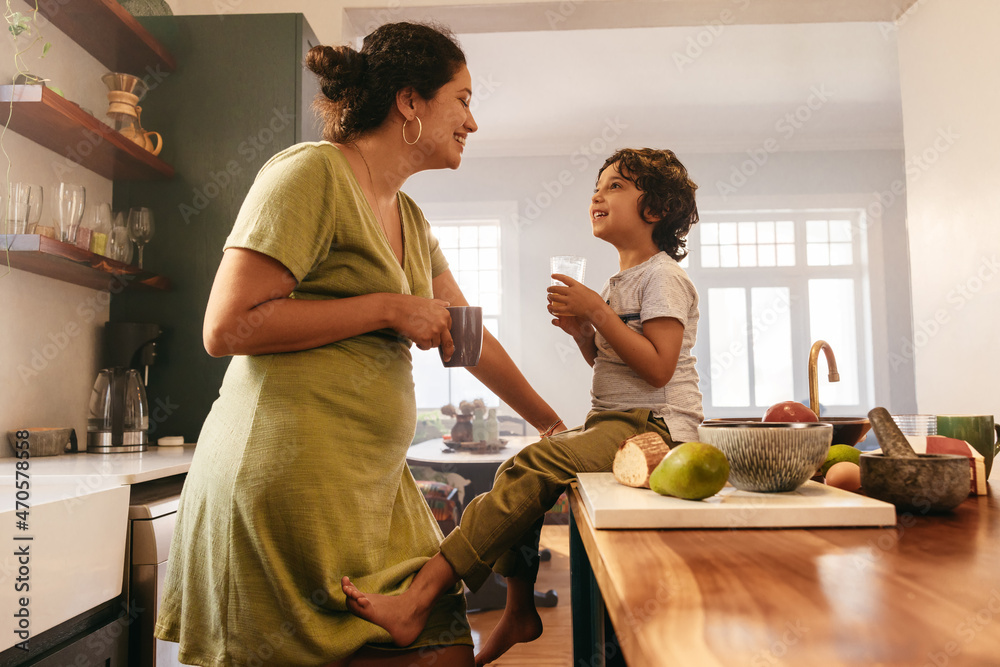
(500,529)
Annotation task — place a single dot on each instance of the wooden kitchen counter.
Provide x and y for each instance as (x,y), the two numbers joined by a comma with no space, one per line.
(925,592)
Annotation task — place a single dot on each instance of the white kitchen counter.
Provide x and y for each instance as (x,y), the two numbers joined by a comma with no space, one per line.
(94,471)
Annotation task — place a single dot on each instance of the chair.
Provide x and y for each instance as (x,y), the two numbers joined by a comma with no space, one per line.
(512,425)
(443,500)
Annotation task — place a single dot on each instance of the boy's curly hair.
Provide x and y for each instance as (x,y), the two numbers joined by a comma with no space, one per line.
(667,199)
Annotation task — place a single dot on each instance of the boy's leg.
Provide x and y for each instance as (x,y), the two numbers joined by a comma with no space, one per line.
(519,564)
(521,495)
(495,522)
(404,616)
(520,622)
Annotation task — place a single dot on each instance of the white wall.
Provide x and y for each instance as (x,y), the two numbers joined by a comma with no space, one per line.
(947,58)
(49,330)
(553,220)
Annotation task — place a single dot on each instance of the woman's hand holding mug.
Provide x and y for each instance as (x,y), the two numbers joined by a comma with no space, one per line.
(424,321)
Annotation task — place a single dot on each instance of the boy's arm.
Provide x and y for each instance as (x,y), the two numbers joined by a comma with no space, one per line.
(652,354)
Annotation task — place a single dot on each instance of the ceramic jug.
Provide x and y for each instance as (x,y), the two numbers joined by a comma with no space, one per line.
(145,139)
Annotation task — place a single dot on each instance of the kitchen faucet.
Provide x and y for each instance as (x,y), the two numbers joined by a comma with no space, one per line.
(831,363)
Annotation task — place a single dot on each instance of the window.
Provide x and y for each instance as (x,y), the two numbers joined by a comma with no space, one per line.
(477,248)
(772,283)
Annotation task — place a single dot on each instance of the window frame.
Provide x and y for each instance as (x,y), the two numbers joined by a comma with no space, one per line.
(796,279)
(505,213)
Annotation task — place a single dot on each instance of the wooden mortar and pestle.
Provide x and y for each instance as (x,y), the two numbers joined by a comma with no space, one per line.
(919,483)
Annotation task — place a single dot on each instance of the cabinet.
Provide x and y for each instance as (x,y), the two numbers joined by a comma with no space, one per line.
(97,637)
(117,40)
(107,645)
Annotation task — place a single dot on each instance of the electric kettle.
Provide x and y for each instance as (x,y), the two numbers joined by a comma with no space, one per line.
(119,413)
(119,410)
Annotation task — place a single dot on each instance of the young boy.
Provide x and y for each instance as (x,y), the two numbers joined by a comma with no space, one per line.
(638,335)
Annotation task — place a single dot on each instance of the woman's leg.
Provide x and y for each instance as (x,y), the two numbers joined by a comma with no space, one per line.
(451,656)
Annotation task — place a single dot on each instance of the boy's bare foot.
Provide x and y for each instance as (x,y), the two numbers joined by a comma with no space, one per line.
(515,627)
(397,614)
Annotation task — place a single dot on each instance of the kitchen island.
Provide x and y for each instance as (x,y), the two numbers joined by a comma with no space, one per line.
(925,592)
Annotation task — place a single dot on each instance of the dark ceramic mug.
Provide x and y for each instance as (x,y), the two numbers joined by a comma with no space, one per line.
(467,332)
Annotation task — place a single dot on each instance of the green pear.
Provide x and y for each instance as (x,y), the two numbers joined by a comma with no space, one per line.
(693,470)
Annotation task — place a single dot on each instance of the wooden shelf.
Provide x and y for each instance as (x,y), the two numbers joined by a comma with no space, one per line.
(62,261)
(62,126)
(110,34)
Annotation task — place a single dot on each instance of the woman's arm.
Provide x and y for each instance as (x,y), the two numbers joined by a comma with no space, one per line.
(652,354)
(249,312)
(497,370)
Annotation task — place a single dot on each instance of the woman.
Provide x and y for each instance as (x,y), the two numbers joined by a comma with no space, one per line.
(300,477)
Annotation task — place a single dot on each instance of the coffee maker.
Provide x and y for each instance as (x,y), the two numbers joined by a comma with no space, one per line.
(119,411)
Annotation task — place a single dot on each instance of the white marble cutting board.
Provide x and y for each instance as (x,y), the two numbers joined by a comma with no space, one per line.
(613,505)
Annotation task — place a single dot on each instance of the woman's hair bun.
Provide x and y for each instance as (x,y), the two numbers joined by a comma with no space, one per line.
(340,69)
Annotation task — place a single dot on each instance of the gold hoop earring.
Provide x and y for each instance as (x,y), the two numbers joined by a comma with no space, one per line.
(420,130)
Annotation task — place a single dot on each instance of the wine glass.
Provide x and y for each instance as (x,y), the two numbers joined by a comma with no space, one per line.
(72,199)
(140,227)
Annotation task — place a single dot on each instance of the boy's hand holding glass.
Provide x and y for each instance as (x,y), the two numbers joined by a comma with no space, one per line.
(573,299)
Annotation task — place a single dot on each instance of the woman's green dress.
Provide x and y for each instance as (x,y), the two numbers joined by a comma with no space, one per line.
(300,476)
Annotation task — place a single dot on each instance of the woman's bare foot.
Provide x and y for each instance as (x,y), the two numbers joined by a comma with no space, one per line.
(515,627)
(400,615)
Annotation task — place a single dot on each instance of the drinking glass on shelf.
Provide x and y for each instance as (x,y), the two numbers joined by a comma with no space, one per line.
(17,210)
(24,208)
(101,229)
(72,200)
(119,244)
(140,227)
(34,206)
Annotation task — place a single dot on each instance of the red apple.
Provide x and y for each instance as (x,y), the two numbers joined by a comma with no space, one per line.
(789,411)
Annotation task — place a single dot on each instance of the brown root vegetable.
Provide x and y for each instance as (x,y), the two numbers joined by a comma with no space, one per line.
(637,457)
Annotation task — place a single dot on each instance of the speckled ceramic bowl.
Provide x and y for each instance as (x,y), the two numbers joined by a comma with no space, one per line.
(769,457)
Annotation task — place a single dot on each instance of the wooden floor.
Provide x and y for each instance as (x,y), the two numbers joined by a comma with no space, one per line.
(555,647)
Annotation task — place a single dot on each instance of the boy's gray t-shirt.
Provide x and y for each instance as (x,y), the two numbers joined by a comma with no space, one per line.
(658,287)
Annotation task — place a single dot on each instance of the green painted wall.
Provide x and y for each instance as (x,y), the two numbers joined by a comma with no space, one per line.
(239,95)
